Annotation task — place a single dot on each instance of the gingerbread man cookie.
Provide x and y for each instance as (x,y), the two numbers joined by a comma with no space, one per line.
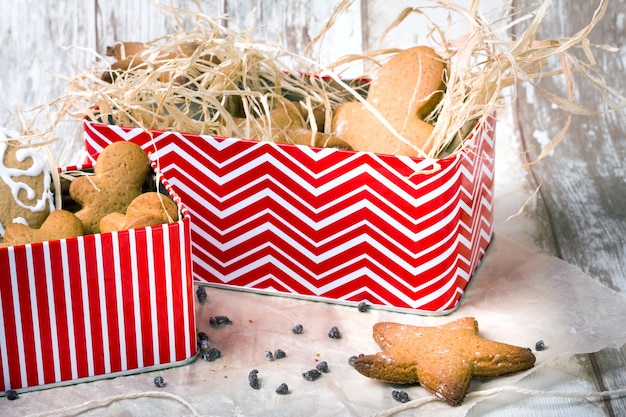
(404,90)
(119,174)
(60,224)
(288,126)
(442,359)
(25,184)
(129,57)
(149,209)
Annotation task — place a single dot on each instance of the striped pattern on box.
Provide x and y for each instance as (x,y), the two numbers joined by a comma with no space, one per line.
(97,305)
(328,223)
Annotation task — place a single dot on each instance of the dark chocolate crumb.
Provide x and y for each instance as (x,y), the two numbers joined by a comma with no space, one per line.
(282,389)
(297,329)
(311,375)
(12,394)
(539,346)
(351,359)
(322,366)
(279,354)
(253,379)
(400,395)
(159,381)
(217,321)
(334,333)
(201,294)
(363,307)
(211,354)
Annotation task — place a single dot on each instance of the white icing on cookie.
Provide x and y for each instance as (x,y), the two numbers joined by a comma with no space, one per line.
(39,166)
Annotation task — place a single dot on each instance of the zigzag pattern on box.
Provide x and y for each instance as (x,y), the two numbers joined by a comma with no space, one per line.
(329,223)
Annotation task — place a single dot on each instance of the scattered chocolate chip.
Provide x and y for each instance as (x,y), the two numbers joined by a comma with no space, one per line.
(269,355)
(363,307)
(297,329)
(211,354)
(12,395)
(253,379)
(539,346)
(351,359)
(159,381)
(399,395)
(312,375)
(322,366)
(217,321)
(201,294)
(279,354)
(282,389)
(334,333)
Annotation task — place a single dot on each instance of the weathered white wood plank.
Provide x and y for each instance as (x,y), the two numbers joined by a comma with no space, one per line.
(139,20)
(583,179)
(295,24)
(37,49)
(583,189)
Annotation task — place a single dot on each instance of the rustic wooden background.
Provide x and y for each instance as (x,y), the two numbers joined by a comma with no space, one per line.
(578,214)
(582,199)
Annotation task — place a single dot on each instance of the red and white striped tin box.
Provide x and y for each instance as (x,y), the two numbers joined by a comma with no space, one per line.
(96,306)
(330,224)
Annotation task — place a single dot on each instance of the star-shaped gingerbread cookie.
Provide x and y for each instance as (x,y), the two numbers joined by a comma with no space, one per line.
(442,359)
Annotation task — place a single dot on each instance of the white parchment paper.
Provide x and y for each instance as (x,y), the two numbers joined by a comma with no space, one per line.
(517,297)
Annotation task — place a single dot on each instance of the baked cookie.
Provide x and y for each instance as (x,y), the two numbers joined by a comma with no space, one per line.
(25,184)
(404,91)
(442,359)
(286,124)
(119,174)
(60,224)
(148,209)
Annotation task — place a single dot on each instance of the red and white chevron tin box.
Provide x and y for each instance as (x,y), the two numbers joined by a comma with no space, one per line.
(96,306)
(330,224)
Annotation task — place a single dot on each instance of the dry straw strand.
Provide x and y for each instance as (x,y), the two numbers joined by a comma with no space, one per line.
(206,76)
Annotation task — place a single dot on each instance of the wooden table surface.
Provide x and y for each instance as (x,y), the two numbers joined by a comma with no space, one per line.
(578,213)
